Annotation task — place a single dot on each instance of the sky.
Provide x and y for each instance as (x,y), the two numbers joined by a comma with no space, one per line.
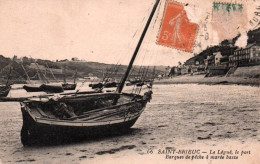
(93,30)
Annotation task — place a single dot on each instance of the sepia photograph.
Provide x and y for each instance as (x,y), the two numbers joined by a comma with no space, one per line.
(129,81)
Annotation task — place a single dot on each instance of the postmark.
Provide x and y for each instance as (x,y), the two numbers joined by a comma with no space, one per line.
(255,21)
(204,33)
(176,30)
(229,19)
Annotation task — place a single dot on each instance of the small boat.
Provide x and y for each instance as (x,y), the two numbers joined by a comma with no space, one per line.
(111,85)
(45,87)
(4,90)
(139,84)
(133,82)
(48,88)
(52,88)
(96,85)
(85,114)
(105,85)
(32,88)
(65,84)
(68,86)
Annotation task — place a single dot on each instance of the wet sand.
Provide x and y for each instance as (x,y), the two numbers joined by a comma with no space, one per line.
(179,116)
(200,79)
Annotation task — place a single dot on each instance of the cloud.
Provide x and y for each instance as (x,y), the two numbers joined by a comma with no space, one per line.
(242,40)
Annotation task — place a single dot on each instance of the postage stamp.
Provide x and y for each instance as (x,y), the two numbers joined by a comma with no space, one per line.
(177,31)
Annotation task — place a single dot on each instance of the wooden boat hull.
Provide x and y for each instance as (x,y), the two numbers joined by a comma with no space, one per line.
(49,88)
(88,126)
(32,88)
(111,85)
(67,86)
(52,133)
(106,85)
(4,90)
(95,86)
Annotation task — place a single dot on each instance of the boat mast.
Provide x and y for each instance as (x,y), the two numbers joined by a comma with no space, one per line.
(153,74)
(45,80)
(121,86)
(51,73)
(75,76)
(64,73)
(10,71)
(28,78)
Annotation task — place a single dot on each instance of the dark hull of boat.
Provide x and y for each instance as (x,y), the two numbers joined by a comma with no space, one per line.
(48,134)
(69,86)
(100,85)
(111,85)
(4,91)
(51,88)
(97,123)
(95,86)
(31,88)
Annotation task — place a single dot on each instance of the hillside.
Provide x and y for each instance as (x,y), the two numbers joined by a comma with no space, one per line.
(83,68)
(225,47)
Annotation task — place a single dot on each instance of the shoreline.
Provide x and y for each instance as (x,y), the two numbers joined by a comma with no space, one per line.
(217,80)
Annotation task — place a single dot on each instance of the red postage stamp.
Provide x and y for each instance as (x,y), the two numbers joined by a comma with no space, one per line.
(177,31)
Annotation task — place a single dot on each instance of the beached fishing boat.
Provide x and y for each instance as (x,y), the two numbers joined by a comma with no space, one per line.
(57,88)
(65,84)
(4,90)
(107,80)
(84,114)
(45,87)
(32,87)
(68,86)
(88,114)
(52,88)
(105,85)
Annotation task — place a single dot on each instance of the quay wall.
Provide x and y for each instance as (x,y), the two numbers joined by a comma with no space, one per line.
(251,72)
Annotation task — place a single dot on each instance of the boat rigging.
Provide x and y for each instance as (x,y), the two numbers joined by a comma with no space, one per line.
(85,114)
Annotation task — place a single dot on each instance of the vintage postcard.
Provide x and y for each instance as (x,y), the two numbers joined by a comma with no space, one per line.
(130,81)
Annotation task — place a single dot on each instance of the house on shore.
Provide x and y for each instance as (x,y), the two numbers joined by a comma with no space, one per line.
(216,64)
(221,60)
(250,55)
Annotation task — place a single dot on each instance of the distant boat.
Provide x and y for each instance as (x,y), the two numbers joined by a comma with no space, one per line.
(46,86)
(32,87)
(133,82)
(104,85)
(4,90)
(69,86)
(96,85)
(52,88)
(111,84)
(107,80)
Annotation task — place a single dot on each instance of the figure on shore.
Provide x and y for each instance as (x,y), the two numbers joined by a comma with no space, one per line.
(176,23)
